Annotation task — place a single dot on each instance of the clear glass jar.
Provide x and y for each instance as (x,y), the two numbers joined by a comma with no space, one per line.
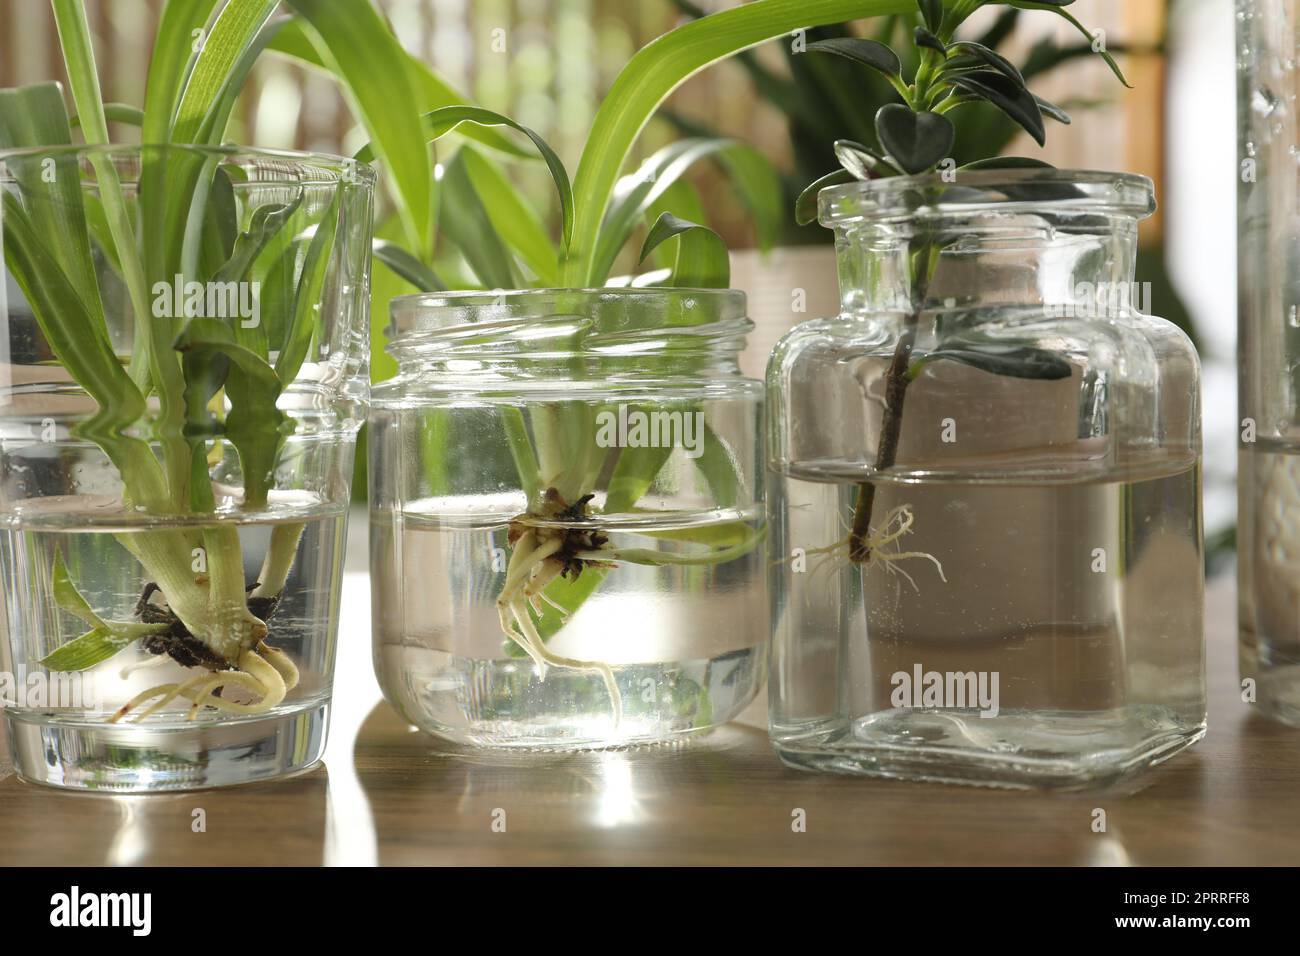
(184,375)
(1268,347)
(984,498)
(567,530)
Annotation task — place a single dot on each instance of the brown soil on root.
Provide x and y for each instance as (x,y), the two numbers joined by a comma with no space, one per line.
(177,642)
(575,540)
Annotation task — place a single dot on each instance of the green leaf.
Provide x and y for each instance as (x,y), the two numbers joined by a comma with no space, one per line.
(118,113)
(307,296)
(1007,95)
(440,122)
(992,58)
(1066,15)
(862,161)
(97,645)
(658,69)
(464,220)
(870,53)
(68,597)
(407,266)
(224,44)
(914,141)
(79,59)
(1011,361)
(702,261)
(932,13)
(431,91)
(266,222)
(753,176)
(805,210)
(356,44)
(255,426)
(924,38)
(514,219)
(1051,109)
(172,59)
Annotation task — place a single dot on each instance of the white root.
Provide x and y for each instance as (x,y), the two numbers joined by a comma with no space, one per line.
(270,678)
(901,520)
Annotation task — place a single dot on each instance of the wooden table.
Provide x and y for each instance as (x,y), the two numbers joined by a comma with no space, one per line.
(387,794)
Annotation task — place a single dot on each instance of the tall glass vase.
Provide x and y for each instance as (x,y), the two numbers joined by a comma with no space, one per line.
(1268,535)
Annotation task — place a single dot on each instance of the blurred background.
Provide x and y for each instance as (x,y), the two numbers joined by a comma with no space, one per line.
(548,62)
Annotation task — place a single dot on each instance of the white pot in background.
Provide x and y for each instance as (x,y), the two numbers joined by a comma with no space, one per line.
(773,281)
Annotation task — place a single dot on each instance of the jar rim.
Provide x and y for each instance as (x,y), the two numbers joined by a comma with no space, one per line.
(422,312)
(306,168)
(1086,191)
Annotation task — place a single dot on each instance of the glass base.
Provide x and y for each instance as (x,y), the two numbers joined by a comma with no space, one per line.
(126,758)
(1014,751)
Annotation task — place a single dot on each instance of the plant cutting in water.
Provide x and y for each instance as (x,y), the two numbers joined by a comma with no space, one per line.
(559,551)
(915,136)
(214,383)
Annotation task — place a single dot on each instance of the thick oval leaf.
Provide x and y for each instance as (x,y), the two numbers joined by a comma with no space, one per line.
(924,38)
(1008,96)
(702,261)
(1010,361)
(872,53)
(1051,109)
(862,161)
(915,142)
(805,210)
(992,58)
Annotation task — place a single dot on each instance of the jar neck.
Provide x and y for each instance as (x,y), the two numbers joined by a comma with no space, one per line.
(988,261)
(591,336)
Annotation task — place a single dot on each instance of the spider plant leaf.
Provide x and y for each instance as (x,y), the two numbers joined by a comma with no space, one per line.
(805,210)
(117,113)
(235,28)
(442,121)
(66,595)
(870,53)
(407,266)
(924,38)
(33,116)
(371,66)
(702,261)
(307,296)
(634,472)
(513,217)
(266,222)
(98,645)
(1010,97)
(914,142)
(465,222)
(219,224)
(931,13)
(79,59)
(172,59)
(752,175)
(254,425)
(721,470)
(658,69)
(1059,10)
(1011,361)
(991,58)
(431,91)
(681,199)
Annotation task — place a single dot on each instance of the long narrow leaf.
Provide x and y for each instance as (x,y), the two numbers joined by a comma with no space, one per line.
(657,70)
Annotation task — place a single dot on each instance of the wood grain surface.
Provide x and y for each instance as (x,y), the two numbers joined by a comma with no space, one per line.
(387,794)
